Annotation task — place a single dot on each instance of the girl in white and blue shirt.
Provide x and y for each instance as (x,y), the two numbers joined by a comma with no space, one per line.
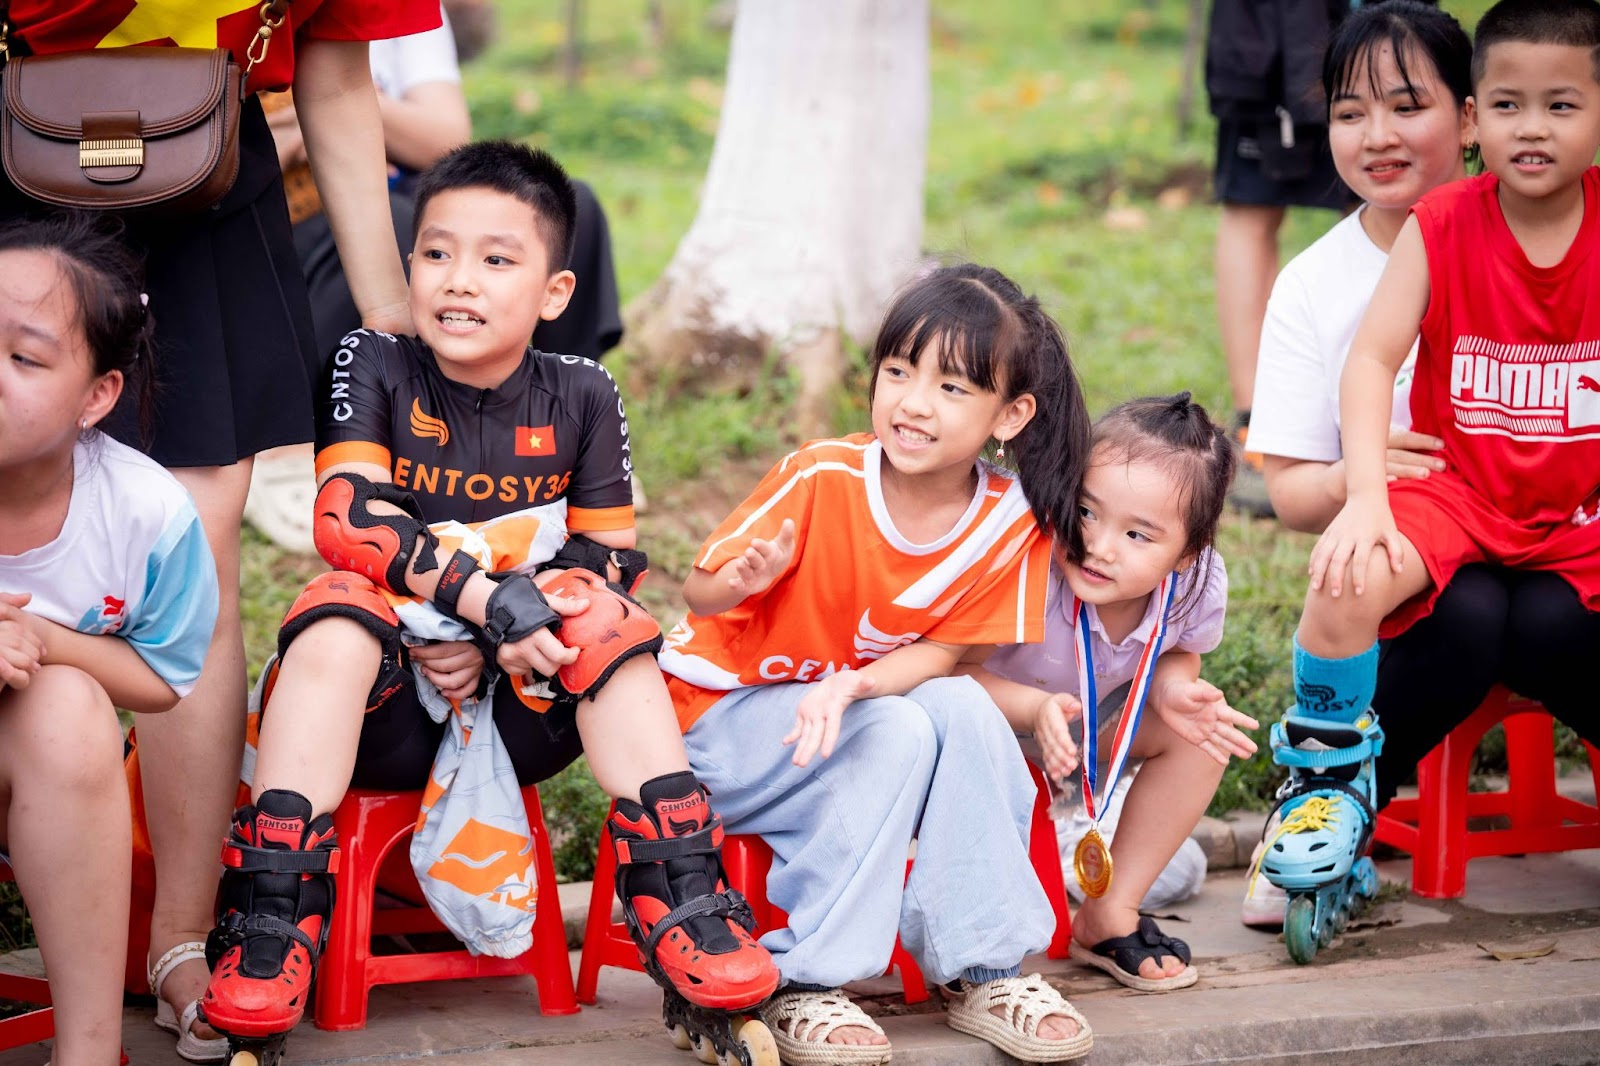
(108,596)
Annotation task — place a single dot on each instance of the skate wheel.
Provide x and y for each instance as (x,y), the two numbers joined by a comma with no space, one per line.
(705,1051)
(1340,920)
(680,1037)
(1299,929)
(244,1057)
(756,1039)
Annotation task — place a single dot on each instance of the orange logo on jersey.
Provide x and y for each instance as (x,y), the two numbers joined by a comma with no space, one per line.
(536,440)
(484,861)
(425,425)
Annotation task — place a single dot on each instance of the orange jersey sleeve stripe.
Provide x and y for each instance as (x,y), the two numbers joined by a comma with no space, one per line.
(600,519)
(352,451)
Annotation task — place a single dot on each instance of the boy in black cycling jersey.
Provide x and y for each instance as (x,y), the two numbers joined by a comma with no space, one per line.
(464,437)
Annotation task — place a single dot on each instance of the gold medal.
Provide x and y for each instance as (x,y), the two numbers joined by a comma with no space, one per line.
(1092,863)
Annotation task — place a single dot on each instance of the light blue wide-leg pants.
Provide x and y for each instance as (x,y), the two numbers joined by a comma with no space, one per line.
(940,764)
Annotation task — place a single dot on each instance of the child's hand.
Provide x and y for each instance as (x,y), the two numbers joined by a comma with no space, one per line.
(452,666)
(21,650)
(1362,525)
(541,652)
(1411,454)
(1052,729)
(1197,711)
(816,720)
(762,563)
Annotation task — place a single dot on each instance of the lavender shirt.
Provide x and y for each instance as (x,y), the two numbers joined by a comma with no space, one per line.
(1052,664)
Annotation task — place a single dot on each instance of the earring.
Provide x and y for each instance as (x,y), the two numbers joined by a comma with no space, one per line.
(1000,452)
(83,425)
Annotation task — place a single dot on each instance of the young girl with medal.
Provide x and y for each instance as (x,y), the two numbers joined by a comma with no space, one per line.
(1142,604)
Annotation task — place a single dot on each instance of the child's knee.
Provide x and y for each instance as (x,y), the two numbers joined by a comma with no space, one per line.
(1328,618)
(333,643)
(895,734)
(62,729)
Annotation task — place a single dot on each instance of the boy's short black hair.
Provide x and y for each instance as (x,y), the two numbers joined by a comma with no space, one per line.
(1571,22)
(528,174)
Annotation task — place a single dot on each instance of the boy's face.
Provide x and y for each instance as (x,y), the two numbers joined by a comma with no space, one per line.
(480,282)
(1537,109)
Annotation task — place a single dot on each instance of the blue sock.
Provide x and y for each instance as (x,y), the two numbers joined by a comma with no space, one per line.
(1339,689)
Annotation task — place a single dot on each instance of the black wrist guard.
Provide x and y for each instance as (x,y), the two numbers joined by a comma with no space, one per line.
(457,571)
(516,608)
(581,553)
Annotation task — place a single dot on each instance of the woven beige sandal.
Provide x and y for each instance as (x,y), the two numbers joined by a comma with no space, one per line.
(1027,1002)
(801,1021)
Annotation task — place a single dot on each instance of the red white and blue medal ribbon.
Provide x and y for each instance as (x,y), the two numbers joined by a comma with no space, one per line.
(1092,860)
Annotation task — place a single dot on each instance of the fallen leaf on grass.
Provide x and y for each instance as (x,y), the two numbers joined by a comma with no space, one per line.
(1510,953)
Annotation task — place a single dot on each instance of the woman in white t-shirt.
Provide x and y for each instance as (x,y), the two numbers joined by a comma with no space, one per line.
(1397,76)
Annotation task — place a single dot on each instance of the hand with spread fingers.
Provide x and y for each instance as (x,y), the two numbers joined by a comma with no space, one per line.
(762,563)
(1197,711)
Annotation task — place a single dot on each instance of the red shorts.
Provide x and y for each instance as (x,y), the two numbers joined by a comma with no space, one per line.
(1451,525)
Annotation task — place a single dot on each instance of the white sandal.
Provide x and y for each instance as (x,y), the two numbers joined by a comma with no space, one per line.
(190,1046)
(801,1021)
(1028,1001)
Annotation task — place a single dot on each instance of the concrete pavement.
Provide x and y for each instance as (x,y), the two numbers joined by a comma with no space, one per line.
(1408,984)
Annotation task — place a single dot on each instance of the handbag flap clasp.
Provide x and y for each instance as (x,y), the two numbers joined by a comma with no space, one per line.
(56,95)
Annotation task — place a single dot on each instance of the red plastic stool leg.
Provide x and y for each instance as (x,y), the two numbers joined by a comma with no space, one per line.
(1045,853)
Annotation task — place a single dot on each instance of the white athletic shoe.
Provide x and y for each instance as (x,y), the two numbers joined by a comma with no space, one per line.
(1264,902)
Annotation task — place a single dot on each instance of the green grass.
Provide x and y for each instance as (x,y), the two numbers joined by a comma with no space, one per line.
(1054,155)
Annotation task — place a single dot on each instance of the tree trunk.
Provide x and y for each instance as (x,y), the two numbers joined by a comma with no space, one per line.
(811,214)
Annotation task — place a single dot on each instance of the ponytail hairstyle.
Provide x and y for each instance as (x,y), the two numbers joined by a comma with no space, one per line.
(1177,435)
(985,329)
(106,279)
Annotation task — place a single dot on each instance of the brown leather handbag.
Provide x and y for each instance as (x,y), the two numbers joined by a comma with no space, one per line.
(152,130)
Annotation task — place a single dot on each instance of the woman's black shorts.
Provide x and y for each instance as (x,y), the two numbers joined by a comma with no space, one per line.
(236,355)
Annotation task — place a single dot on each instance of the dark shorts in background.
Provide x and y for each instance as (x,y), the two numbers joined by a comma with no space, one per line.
(1254,168)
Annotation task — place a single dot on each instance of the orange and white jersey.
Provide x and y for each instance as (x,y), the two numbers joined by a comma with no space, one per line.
(857,588)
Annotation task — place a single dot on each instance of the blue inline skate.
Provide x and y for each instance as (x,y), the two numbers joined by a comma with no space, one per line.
(1317,837)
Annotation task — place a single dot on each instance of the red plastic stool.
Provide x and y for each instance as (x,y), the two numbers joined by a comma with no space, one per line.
(369,825)
(36,1025)
(745,860)
(1433,826)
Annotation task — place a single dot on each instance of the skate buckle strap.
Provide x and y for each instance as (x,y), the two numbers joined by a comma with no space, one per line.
(702,841)
(252,860)
(717,904)
(243,926)
(1286,754)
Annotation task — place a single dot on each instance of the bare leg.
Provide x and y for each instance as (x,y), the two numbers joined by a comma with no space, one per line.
(1246,266)
(66,827)
(189,756)
(630,733)
(1162,807)
(312,723)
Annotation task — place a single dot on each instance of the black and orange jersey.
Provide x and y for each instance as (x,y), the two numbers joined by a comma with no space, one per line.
(555,429)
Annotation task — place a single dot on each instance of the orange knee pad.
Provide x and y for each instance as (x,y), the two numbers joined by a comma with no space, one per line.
(611,631)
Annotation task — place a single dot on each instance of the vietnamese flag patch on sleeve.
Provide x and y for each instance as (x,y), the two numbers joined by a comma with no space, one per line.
(536,440)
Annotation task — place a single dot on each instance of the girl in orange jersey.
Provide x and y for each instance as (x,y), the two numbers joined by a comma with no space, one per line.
(811,676)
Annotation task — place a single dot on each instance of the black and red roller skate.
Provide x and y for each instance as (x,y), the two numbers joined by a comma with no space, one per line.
(274,907)
(693,931)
